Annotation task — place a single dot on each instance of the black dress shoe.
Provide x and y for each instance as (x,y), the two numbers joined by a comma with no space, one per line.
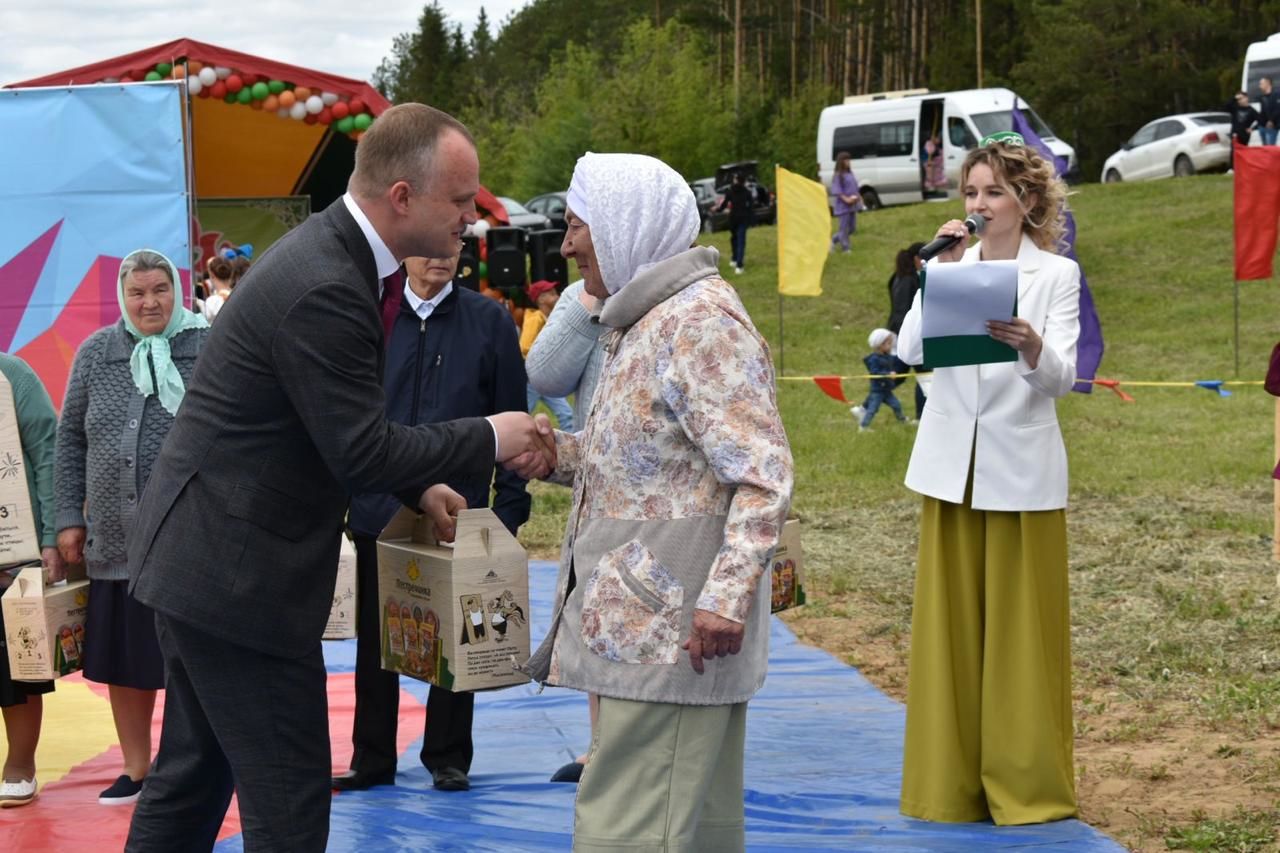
(450,779)
(355,780)
(571,772)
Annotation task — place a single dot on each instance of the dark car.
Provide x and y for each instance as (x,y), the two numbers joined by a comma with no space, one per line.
(530,220)
(710,192)
(550,205)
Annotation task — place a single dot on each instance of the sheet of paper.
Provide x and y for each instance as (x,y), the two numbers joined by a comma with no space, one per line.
(960,298)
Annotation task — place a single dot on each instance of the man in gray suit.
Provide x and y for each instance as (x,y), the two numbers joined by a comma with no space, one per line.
(235,540)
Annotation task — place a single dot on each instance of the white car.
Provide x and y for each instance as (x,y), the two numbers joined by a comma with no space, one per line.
(1173,146)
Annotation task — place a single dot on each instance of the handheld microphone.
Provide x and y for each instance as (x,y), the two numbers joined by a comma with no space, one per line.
(973,222)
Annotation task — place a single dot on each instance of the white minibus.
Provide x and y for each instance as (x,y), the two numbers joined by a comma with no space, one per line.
(888,136)
(1261,59)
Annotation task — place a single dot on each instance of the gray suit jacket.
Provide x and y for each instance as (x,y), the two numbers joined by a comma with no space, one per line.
(238,528)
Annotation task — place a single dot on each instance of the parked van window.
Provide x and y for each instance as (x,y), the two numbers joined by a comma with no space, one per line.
(887,139)
(994,122)
(1255,71)
(961,136)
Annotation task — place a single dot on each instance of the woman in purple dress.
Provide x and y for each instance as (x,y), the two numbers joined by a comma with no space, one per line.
(846,201)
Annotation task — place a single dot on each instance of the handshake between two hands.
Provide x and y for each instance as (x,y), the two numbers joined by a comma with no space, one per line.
(526,446)
(526,443)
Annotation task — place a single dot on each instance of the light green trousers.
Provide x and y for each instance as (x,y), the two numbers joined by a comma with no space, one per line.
(663,779)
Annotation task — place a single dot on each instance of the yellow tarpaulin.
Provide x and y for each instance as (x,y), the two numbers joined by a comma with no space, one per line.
(804,230)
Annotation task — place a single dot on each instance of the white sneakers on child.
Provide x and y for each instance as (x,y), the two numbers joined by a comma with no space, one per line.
(17,793)
(859,411)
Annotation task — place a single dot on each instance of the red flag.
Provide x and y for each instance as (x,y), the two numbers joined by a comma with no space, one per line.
(1257,209)
(831,385)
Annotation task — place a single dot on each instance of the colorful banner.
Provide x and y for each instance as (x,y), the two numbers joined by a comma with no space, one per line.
(97,172)
(804,230)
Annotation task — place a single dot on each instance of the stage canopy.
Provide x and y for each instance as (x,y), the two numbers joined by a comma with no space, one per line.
(260,129)
(266,143)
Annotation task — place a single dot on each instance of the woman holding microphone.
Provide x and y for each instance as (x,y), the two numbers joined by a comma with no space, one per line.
(989,730)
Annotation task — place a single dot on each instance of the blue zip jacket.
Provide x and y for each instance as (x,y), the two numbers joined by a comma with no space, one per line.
(878,362)
(462,361)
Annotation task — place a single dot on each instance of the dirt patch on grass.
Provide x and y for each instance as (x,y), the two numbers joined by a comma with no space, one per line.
(1175,630)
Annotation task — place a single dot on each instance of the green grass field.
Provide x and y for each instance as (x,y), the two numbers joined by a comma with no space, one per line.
(1174,597)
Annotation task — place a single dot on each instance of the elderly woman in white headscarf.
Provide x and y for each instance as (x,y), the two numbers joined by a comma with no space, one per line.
(681,481)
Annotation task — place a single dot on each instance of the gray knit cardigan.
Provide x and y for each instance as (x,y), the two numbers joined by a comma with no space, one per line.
(109,436)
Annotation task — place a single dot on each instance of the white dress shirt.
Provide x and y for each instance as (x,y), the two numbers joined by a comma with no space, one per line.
(386,264)
(424,307)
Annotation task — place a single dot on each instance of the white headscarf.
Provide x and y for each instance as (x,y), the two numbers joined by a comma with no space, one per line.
(639,209)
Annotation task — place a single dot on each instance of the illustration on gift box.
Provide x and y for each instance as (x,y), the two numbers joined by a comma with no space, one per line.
(430,625)
(30,643)
(340,603)
(395,637)
(784,583)
(70,652)
(504,609)
(473,631)
(409,624)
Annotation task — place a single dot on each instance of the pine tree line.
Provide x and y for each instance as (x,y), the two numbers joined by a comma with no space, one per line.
(701,82)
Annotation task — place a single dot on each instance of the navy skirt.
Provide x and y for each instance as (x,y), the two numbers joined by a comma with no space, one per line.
(120,645)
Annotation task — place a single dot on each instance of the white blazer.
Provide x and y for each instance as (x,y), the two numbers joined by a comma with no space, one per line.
(1003,413)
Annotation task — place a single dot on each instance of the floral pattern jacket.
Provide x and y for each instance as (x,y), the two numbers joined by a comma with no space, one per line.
(681,480)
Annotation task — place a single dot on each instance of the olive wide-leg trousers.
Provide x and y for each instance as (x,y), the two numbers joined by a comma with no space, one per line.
(989,731)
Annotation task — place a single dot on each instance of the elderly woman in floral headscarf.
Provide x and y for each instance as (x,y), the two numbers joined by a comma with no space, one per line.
(681,481)
(125,386)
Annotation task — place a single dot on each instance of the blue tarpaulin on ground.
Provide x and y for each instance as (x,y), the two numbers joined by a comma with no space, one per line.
(823,766)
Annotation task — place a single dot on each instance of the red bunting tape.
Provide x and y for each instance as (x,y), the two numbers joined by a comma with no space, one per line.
(1114,385)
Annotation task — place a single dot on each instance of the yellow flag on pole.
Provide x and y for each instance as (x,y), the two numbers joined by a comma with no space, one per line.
(804,232)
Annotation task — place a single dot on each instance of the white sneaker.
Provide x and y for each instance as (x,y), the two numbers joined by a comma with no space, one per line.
(18,793)
(738,270)
(857,412)
(861,428)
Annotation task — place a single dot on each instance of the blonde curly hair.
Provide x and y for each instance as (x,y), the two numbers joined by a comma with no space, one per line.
(1040,193)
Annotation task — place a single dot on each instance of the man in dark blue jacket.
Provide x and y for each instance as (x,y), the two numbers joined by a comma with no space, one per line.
(451,353)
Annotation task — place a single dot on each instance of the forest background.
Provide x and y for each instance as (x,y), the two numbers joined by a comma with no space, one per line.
(698,83)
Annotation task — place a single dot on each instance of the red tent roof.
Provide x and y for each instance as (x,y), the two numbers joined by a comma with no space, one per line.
(212,54)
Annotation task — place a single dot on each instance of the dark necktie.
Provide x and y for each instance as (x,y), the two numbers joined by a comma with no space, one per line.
(392,296)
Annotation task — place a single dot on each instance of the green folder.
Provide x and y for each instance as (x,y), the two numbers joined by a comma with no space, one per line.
(957,350)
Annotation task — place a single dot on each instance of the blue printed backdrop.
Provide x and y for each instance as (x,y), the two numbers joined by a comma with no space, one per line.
(87,175)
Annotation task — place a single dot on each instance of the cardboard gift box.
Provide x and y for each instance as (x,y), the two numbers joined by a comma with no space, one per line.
(342,613)
(787,569)
(19,541)
(456,616)
(44,625)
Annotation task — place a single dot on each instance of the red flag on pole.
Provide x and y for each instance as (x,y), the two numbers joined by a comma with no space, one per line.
(1257,209)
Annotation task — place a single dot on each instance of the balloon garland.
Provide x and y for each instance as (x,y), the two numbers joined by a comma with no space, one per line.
(346,115)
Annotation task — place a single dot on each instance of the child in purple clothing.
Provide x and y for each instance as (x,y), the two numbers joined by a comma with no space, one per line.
(881,361)
(846,201)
